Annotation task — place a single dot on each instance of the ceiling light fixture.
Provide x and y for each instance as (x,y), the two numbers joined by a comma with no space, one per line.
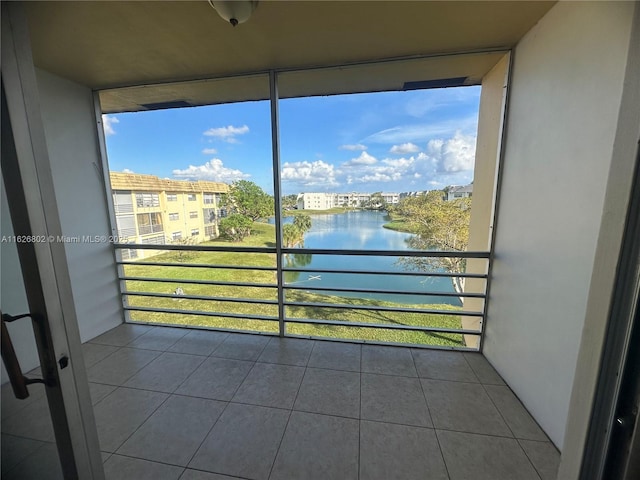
(234,11)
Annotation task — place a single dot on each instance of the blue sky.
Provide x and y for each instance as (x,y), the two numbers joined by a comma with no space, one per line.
(390,141)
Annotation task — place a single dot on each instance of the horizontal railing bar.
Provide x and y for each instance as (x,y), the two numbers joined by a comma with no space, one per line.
(201,297)
(425,346)
(387,253)
(341,306)
(195,265)
(382,326)
(391,292)
(200,313)
(302,270)
(193,248)
(198,282)
(318,251)
(373,272)
(200,327)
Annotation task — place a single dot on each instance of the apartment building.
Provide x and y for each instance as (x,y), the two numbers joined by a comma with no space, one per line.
(325,201)
(456,192)
(152,210)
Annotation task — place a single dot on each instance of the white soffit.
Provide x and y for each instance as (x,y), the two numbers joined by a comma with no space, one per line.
(465,69)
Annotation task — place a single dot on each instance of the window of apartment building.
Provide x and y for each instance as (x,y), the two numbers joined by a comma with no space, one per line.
(126,225)
(174,216)
(208,198)
(176,235)
(209,215)
(129,253)
(210,231)
(149,223)
(172,197)
(147,199)
(122,202)
(155,240)
(191,197)
(193,214)
(195,232)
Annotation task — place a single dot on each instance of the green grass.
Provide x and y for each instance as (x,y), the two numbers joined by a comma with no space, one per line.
(399,224)
(263,235)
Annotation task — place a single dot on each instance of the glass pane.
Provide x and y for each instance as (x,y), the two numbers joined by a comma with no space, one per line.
(198,179)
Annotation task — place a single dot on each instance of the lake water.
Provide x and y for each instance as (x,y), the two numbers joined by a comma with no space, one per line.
(361,230)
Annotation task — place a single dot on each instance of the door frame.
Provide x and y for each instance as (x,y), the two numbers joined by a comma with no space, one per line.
(26,168)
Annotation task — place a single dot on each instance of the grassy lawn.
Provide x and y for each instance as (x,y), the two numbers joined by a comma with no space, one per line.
(262,236)
(398,224)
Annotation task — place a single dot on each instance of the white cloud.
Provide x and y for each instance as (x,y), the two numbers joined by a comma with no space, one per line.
(107,124)
(424,131)
(353,147)
(405,148)
(209,151)
(213,170)
(126,170)
(457,154)
(227,134)
(305,174)
(363,159)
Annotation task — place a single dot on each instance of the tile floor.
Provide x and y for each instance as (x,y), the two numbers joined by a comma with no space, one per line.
(197,405)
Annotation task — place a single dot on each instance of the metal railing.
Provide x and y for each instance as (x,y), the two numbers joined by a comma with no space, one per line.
(205,286)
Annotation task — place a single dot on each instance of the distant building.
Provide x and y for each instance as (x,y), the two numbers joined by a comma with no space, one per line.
(325,201)
(316,201)
(153,210)
(456,192)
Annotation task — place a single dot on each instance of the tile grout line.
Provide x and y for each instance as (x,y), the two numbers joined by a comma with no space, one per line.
(435,433)
(275,457)
(424,395)
(204,439)
(446,467)
(40,447)
(143,422)
(529,458)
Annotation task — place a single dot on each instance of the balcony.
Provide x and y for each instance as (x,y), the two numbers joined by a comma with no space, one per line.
(147,229)
(184,403)
(206,286)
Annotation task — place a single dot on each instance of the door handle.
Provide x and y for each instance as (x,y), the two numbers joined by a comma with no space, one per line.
(18,381)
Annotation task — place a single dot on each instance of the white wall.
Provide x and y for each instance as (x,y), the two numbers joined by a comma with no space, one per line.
(74,153)
(566,88)
(72,141)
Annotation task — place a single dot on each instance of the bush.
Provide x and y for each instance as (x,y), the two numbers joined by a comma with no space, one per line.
(236,227)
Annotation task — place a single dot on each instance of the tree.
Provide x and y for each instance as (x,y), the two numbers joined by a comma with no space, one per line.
(236,227)
(290,202)
(290,235)
(438,225)
(303,222)
(377,201)
(184,255)
(248,199)
(293,233)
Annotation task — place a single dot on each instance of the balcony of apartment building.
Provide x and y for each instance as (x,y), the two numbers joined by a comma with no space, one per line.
(525,390)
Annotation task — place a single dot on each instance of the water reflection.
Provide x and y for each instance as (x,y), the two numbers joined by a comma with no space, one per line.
(361,230)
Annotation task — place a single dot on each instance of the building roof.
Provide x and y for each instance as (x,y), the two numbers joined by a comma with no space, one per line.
(151,183)
(462,189)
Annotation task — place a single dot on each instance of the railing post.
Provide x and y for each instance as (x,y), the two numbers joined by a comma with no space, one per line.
(277,196)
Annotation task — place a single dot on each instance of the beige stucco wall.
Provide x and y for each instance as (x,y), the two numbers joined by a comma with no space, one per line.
(565,96)
(484,181)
